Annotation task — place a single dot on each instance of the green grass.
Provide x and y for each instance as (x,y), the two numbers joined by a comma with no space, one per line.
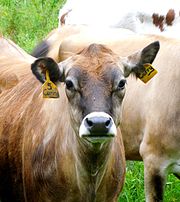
(26,22)
(133,190)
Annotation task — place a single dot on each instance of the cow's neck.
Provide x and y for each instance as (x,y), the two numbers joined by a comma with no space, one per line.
(92,166)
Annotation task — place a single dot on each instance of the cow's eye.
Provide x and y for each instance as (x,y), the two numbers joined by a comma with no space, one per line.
(69,85)
(121,84)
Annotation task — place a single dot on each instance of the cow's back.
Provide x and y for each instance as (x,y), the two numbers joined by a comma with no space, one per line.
(13,64)
(50,45)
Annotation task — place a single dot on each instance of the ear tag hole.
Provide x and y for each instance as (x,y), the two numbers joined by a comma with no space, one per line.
(148,73)
(50,90)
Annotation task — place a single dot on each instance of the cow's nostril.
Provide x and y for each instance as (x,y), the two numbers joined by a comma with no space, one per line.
(89,122)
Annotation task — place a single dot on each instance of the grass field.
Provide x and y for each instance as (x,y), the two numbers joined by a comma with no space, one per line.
(28,21)
(133,191)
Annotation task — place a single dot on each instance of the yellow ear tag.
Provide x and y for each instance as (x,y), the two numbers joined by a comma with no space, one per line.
(148,73)
(49,88)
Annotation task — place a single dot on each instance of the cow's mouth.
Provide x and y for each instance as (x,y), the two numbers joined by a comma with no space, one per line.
(98,138)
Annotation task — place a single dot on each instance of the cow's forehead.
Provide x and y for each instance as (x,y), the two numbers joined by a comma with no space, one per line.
(95,60)
(91,70)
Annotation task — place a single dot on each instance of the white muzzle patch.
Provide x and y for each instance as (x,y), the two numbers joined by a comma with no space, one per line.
(97,127)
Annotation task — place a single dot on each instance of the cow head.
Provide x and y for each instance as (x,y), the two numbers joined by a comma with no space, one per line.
(95,82)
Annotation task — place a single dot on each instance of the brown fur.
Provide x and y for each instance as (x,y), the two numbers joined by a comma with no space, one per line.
(158,21)
(170,16)
(97,57)
(63,18)
(10,74)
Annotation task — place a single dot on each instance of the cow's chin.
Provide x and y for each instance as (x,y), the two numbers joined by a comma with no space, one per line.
(97,127)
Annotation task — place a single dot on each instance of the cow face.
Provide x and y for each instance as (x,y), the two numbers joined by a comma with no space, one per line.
(95,86)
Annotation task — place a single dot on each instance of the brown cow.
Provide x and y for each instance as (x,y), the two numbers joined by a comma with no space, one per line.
(51,44)
(68,149)
(151,121)
(151,116)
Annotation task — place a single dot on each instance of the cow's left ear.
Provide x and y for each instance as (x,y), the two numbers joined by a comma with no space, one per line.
(134,63)
(41,65)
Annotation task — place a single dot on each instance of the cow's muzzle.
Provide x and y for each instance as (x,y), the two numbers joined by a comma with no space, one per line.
(97,127)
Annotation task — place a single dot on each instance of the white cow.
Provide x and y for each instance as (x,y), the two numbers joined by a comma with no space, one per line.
(144,17)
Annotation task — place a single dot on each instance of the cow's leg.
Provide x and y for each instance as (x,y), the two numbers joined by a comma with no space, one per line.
(154,179)
(154,173)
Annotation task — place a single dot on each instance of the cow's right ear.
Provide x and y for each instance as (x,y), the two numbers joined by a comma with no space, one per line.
(135,63)
(41,65)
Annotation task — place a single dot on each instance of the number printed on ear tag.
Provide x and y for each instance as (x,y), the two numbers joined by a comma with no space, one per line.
(50,90)
(148,74)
